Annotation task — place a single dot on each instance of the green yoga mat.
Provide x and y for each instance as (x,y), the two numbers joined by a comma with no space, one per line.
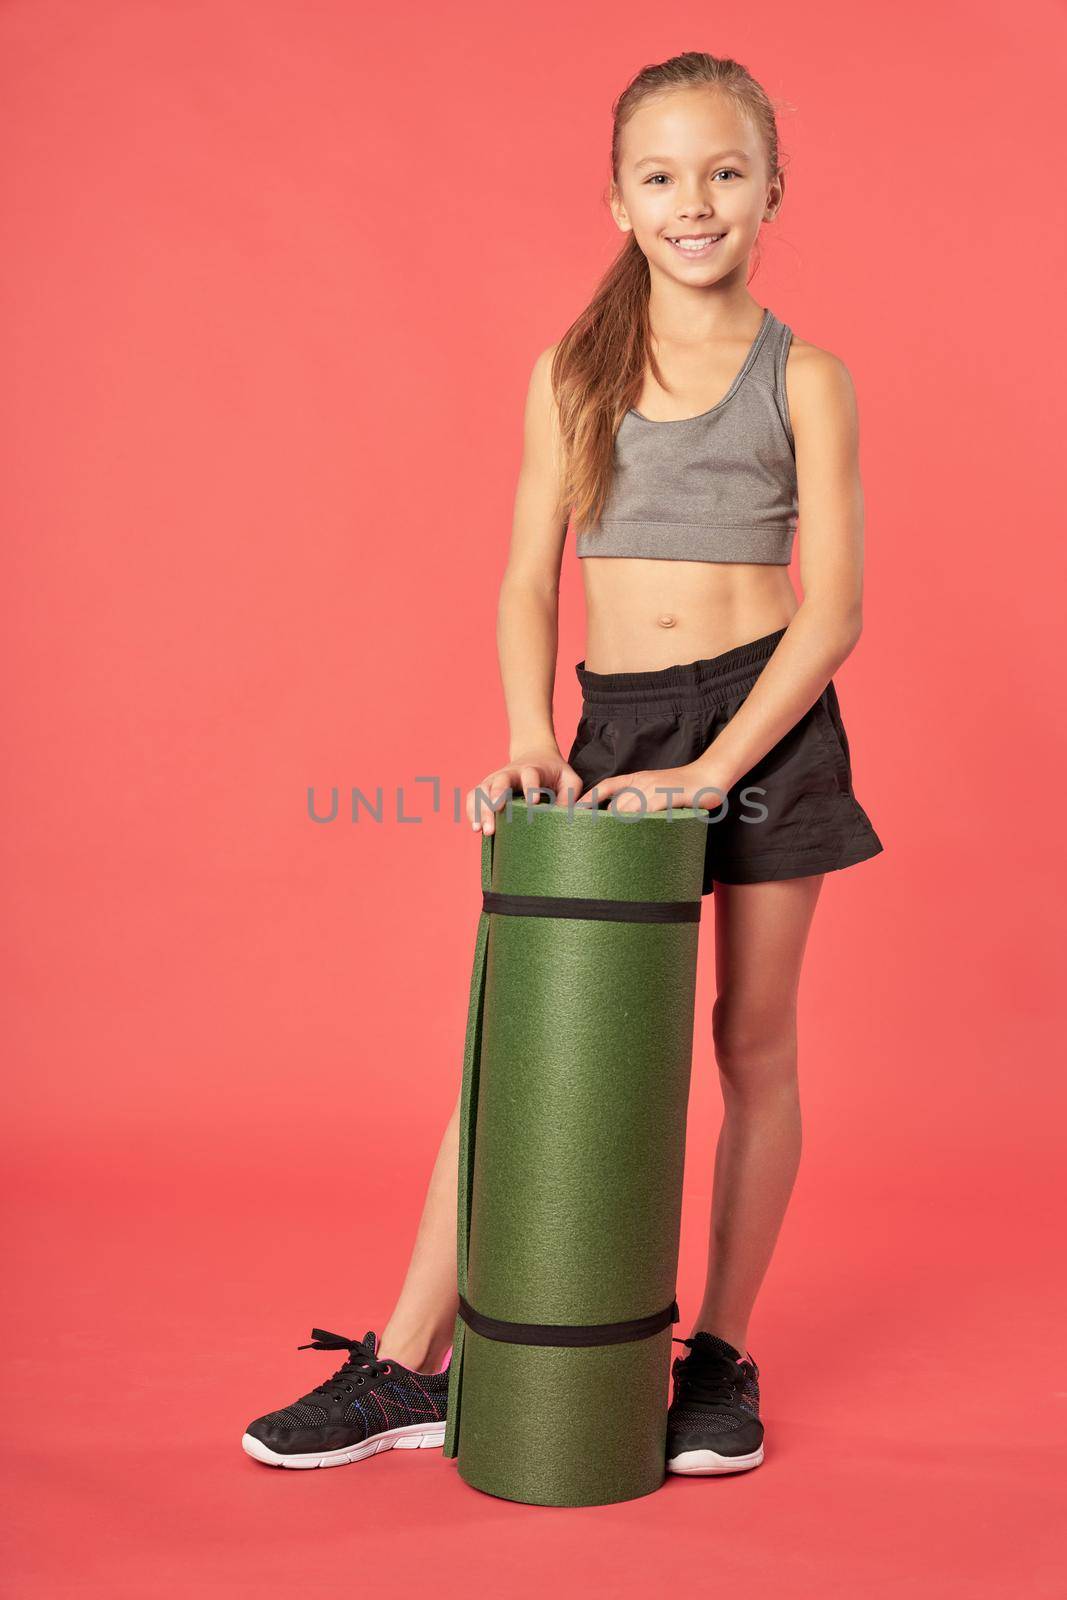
(571,1152)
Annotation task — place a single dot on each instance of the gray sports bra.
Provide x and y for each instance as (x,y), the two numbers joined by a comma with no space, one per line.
(721,486)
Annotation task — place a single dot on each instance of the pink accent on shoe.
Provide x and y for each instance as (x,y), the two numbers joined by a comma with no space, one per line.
(432,1409)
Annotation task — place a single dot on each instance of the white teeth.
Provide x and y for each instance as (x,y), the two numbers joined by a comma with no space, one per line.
(695,244)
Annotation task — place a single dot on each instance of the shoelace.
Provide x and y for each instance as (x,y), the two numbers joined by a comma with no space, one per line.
(713,1380)
(360,1364)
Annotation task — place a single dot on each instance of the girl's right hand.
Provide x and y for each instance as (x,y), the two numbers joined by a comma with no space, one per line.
(532,770)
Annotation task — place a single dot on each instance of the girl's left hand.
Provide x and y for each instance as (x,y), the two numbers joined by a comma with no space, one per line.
(690,786)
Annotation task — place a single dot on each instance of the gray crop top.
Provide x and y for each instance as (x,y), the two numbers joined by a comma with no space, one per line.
(721,486)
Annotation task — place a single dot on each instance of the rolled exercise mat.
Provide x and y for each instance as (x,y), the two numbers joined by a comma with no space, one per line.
(571,1151)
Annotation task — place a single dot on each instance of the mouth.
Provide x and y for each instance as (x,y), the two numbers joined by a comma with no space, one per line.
(695,244)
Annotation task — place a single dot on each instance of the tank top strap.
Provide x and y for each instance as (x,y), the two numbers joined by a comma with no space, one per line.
(775,355)
(765,358)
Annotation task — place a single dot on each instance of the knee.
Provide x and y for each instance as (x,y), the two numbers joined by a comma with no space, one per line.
(755,1047)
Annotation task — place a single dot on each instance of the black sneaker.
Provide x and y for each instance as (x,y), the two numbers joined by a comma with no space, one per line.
(713,1422)
(367,1406)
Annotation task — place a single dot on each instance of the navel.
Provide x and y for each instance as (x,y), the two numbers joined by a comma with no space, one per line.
(667,621)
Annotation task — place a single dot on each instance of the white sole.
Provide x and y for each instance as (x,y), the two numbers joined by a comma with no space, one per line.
(703,1463)
(416,1436)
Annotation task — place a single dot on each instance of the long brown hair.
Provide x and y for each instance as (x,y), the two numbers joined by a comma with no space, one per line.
(599,365)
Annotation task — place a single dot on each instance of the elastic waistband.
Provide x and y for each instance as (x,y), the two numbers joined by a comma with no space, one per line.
(690,682)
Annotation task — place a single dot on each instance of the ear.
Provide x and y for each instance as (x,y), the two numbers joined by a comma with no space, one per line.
(775,196)
(618,210)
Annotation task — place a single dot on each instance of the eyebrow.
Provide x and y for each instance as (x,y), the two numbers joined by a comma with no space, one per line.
(665,160)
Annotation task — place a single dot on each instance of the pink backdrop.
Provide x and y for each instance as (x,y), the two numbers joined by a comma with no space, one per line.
(273,281)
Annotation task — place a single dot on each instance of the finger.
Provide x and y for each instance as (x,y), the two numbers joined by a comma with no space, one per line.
(530,779)
(499,790)
(480,800)
(568,785)
(609,786)
(603,789)
(643,801)
(626,792)
(475,801)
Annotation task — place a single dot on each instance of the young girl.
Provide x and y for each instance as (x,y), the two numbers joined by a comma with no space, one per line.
(680,427)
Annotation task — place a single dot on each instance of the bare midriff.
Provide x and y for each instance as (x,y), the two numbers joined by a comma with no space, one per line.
(642,615)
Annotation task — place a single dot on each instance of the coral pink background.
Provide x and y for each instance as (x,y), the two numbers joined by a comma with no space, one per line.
(273,281)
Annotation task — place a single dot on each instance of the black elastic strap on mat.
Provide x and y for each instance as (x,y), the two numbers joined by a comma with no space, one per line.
(547,905)
(571,1334)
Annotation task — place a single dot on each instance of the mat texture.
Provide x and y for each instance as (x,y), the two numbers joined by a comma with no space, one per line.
(571,1150)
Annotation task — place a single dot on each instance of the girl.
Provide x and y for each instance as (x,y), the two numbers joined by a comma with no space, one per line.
(681,427)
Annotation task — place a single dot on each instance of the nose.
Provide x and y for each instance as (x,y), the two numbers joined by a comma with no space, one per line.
(694,203)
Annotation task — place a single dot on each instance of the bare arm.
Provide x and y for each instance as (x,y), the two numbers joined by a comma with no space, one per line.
(826,626)
(528,613)
(528,608)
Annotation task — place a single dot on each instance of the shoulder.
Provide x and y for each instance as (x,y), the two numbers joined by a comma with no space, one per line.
(541,373)
(541,405)
(541,421)
(818,383)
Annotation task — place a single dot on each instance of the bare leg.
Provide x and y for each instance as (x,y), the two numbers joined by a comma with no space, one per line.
(760,935)
(761,931)
(420,1329)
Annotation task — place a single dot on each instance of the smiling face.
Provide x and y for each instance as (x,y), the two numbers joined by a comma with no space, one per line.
(693,184)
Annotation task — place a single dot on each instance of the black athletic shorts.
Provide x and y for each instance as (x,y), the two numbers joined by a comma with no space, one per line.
(793,814)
